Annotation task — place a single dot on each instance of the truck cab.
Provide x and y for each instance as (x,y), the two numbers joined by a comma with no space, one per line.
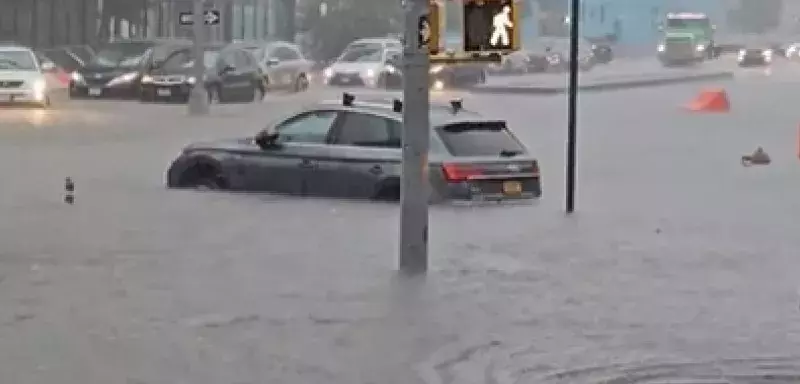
(698,25)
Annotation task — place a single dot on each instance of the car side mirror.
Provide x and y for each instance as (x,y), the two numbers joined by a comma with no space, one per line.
(273,62)
(267,139)
(226,69)
(48,66)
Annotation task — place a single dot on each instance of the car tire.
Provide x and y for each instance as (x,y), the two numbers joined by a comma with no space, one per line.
(258,93)
(214,95)
(203,176)
(301,84)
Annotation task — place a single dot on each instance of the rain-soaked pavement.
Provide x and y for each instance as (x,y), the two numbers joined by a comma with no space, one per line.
(680,263)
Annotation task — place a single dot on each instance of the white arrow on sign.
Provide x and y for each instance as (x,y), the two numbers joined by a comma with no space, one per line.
(211,17)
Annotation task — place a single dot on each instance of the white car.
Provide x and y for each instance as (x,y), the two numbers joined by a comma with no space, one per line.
(23,76)
(361,63)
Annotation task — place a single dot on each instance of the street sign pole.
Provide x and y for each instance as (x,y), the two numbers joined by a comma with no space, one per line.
(572,109)
(198,98)
(414,192)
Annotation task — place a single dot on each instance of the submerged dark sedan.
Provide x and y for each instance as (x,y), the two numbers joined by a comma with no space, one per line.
(232,75)
(353,149)
(755,56)
(441,75)
(118,67)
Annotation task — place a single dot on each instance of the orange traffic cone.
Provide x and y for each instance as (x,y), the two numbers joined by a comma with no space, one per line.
(710,100)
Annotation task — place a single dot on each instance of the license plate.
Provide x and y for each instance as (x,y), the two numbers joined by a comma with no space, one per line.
(345,80)
(164,92)
(95,91)
(512,187)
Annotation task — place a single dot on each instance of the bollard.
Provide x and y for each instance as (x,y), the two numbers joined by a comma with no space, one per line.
(69,188)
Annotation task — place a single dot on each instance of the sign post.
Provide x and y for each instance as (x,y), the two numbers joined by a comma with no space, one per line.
(414,189)
(200,18)
(572,108)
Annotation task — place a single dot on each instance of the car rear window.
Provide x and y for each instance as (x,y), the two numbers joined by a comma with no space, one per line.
(484,138)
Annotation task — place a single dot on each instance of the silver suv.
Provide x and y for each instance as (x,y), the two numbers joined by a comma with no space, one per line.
(23,76)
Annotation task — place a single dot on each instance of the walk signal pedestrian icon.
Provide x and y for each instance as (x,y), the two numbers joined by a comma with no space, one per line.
(501,24)
(490,26)
(424,28)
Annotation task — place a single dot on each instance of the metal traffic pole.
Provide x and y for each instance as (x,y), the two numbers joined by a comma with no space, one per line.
(416,140)
(572,110)
(198,98)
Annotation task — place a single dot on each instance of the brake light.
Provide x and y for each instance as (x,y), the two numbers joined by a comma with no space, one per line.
(535,168)
(459,172)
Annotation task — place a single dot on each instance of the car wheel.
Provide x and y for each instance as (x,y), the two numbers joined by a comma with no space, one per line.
(46,103)
(301,84)
(203,177)
(258,93)
(214,95)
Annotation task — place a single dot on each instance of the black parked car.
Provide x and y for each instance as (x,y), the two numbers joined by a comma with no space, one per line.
(118,67)
(232,75)
(441,75)
(353,150)
(557,53)
(601,50)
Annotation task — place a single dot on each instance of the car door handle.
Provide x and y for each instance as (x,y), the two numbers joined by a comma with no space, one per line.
(305,163)
(376,170)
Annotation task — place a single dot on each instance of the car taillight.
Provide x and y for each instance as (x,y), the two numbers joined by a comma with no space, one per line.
(459,172)
(535,168)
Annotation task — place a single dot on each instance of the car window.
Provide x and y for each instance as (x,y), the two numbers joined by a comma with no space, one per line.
(364,130)
(482,138)
(283,54)
(311,127)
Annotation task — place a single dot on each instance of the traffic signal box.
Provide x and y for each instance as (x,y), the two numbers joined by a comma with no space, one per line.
(491,26)
(436,19)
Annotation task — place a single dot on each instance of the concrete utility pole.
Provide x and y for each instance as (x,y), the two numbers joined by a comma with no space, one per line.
(414,192)
(198,98)
(572,107)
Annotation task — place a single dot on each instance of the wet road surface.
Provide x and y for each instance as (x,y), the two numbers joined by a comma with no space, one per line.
(677,255)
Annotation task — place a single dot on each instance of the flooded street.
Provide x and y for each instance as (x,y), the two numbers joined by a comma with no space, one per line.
(677,259)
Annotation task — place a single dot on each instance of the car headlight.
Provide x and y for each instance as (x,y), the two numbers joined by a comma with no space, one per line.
(77,77)
(147,79)
(437,68)
(662,47)
(126,78)
(370,73)
(328,72)
(700,48)
(191,80)
(391,69)
(39,86)
(767,53)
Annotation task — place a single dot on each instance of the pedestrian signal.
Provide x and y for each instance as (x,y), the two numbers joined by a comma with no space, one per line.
(491,26)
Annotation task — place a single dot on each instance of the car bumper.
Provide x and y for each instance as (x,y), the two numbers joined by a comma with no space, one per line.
(494,190)
(753,62)
(166,92)
(341,80)
(103,91)
(22,95)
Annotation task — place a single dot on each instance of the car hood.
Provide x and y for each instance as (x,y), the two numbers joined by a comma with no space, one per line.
(172,71)
(20,75)
(106,71)
(225,145)
(355,67)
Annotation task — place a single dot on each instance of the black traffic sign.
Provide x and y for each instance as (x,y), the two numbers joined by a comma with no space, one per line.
(210,17)
(424,31)
(490,26)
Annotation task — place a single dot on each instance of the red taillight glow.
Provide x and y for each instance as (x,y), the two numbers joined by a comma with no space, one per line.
(459,172)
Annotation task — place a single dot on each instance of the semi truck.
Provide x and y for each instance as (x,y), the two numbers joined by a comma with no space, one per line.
(688,38)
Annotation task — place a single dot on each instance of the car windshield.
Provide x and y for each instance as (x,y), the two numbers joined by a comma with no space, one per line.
(121,55)
(359,55)
(184,59)
(17,61)
(688,23)
(479,139)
